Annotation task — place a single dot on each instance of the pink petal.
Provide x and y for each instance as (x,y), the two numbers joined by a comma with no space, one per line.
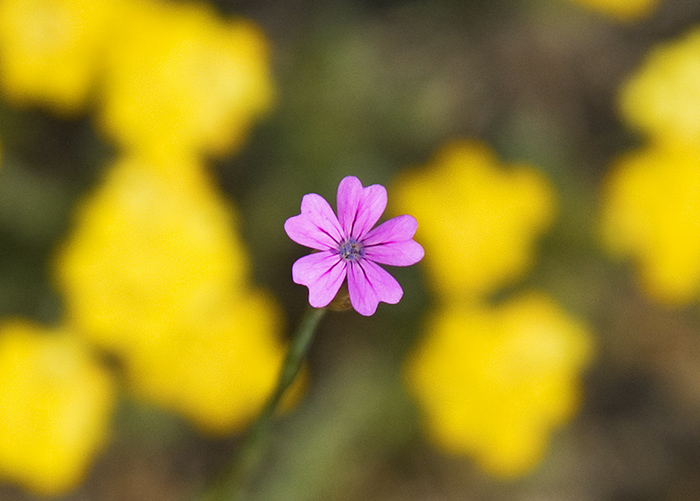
(397,229)
(316,226)
(368,284)
(359,208)
(304,231)
(403,253)
(348,199)
(323,273)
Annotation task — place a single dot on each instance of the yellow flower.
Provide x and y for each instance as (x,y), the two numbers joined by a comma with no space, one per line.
(494,382)
(155,272)
(662,98)
(476,220)
(50,50)
(217,370)
(651,213)
(55,408)
(621,9)
(183,81)
(148,251)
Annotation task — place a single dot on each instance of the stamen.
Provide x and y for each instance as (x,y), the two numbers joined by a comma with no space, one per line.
(351,250)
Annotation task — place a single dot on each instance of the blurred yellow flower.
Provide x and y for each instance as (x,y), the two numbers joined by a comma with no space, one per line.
(183,81)
(155,272)
(477,221)
(621,9)
(149,249)
(662,98)
(51,50)
(651,213)
(55,407)
(494,382)
(218,370)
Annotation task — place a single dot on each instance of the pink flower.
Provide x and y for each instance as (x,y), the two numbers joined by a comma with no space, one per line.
(349,247)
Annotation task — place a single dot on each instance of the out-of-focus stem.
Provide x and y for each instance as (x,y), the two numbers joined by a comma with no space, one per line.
(231,484)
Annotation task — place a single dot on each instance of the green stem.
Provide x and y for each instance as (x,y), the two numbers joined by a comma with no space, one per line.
(231,484)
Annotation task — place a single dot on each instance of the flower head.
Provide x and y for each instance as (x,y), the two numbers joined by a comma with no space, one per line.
(184,81)
(154,272)
(51,51)
(495,382)
(480,219)
(349,247)
(661,234)
(55,410)
(662,97)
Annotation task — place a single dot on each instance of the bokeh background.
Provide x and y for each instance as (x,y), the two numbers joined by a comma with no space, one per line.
(547,347)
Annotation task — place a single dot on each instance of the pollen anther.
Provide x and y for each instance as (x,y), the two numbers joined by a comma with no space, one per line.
(351,250)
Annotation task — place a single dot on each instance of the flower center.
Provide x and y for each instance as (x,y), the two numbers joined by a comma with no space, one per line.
(351,250)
